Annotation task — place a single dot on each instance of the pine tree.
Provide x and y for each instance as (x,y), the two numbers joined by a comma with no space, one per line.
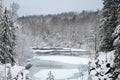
(7,39)
(116,37)
(109,41)
(50,76)
(108,24)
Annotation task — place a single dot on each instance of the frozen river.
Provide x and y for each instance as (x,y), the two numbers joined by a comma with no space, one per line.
(61,67)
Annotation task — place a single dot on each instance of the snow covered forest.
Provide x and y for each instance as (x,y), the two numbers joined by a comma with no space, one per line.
(66,46)
(70,29)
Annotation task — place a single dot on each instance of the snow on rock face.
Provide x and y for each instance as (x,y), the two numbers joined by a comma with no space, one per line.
(13,72)
(103,67)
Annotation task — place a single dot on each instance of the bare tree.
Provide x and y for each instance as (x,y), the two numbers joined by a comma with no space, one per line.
(14,7)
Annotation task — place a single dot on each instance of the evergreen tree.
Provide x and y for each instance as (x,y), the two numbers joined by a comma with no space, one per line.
(116,37)
(109,69)
(50,76)
(7,39)
(108,24)
(116,44)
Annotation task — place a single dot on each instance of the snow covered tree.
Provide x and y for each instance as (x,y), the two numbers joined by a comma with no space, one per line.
(116,44)
(117,53)
(108,24)
(106,66)
(13,9)
(7,39)
(23,46)
(50,76)
(116,37)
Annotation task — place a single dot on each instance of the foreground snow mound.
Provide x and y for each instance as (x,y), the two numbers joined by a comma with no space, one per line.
(103,67)
(8,72)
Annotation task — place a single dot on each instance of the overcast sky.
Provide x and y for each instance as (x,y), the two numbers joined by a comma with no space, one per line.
(38,7)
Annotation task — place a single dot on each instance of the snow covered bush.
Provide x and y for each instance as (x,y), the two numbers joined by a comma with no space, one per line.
(103,67)
(8,72)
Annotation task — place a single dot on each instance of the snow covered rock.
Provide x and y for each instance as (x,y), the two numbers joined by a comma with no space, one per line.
(103,67)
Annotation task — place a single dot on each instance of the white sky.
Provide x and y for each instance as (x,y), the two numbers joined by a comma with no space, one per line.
(38,7)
